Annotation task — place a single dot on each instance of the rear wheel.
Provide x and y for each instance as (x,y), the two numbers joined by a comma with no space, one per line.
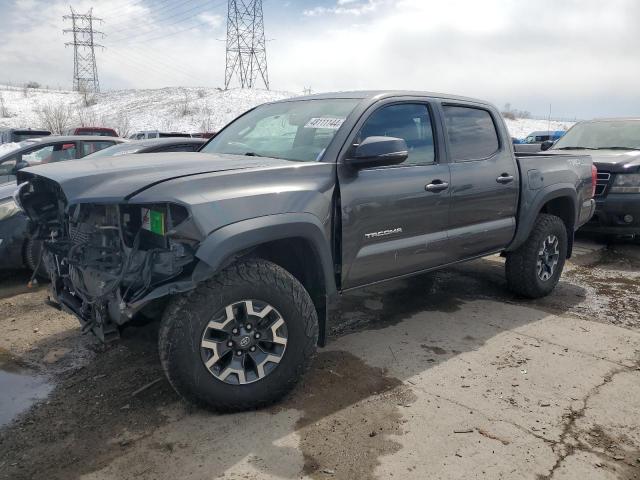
(240,340)
(534,269)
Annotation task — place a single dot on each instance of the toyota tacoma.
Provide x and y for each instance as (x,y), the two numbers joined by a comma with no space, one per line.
(242,248)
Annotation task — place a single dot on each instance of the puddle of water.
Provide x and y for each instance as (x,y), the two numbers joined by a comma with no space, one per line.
(19,388)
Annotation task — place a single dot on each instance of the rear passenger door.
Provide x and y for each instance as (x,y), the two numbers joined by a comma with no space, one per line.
(484,181)
(392,224)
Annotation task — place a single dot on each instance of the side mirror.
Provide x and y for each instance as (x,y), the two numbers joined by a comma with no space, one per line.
(546,145)
(378,152)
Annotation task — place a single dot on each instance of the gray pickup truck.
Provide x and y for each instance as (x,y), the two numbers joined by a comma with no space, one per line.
(242,248)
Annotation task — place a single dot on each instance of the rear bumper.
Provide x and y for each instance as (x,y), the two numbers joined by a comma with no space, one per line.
(13,233)
(616,214)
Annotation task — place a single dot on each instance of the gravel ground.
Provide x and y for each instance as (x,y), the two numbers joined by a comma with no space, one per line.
(440,376)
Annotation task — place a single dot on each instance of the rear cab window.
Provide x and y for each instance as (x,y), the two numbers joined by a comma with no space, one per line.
(472,133)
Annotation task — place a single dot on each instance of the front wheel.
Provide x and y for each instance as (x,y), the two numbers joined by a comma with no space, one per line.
(534,269)
(240,340)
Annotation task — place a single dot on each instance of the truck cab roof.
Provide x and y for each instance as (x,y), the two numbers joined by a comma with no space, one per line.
(375,95)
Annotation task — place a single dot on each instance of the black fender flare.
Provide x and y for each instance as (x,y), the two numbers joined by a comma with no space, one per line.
(223,244)
(531,205)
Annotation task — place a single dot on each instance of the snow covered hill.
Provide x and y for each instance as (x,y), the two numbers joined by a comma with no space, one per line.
(168,109)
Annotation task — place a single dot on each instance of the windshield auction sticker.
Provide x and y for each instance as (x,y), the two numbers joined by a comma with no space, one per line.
(326,122)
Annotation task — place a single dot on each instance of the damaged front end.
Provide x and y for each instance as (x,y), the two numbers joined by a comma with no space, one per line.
(109,262)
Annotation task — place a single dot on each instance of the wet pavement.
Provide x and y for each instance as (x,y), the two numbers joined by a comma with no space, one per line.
(21,387)
(444,376)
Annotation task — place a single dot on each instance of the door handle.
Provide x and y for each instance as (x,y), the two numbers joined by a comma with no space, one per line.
(505,178)
(436,186)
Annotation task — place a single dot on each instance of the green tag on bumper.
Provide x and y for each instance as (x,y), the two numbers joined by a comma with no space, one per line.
(153,221)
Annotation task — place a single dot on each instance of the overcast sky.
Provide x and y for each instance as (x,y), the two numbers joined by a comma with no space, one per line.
(580,56)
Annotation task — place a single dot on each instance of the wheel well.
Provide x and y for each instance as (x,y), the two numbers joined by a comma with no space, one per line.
(299,257)
(563,208)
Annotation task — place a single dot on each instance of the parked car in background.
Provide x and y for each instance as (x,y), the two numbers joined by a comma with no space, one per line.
(15,135)
(92,131)
(537,141)
(543,136)
(203,135)
(15,250)
(156,134)
(18,249)
(614,145)
(155,145)
(51,149)
(246,244)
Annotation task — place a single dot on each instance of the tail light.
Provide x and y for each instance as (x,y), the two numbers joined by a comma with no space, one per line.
(594,179)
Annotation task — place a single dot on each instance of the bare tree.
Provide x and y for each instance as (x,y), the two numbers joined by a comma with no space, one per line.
(55,117)
(184,107)
(4,112)
(86,117)
(88,98)
(513,113)
(122,125)
(206,125)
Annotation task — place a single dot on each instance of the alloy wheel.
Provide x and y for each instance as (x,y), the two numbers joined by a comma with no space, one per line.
(244,343)
(548,257)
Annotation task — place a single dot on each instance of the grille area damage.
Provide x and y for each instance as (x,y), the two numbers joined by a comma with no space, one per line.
(109,262)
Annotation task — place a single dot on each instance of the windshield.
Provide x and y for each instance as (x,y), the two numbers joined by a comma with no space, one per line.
(120,149)
(297,130)
(622,134)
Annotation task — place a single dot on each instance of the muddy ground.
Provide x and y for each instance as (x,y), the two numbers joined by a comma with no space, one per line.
(440,376)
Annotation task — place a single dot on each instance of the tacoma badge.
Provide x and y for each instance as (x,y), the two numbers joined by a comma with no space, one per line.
(383,233)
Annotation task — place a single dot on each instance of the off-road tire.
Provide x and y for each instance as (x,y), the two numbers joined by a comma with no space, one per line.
(187,315)
(521,264)
(32,253)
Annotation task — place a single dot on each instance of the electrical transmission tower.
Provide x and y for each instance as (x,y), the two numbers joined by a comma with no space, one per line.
(246,51)
(85,71)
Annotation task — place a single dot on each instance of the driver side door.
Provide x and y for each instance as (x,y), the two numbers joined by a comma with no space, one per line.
(394,222)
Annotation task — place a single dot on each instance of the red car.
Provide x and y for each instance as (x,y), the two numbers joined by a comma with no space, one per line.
(92,131)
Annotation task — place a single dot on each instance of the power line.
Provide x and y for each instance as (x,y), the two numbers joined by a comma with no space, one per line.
(118,10)
(246,51)
(146,69)
(155,11)
(85,71)
(198,11)
(155,63)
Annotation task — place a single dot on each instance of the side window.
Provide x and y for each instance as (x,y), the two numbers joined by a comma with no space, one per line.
(92,147)
(39,155)
(409,121)
(8,166)
(472,133)
(62,152)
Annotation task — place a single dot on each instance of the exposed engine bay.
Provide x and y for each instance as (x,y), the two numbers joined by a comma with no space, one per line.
(108,262)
